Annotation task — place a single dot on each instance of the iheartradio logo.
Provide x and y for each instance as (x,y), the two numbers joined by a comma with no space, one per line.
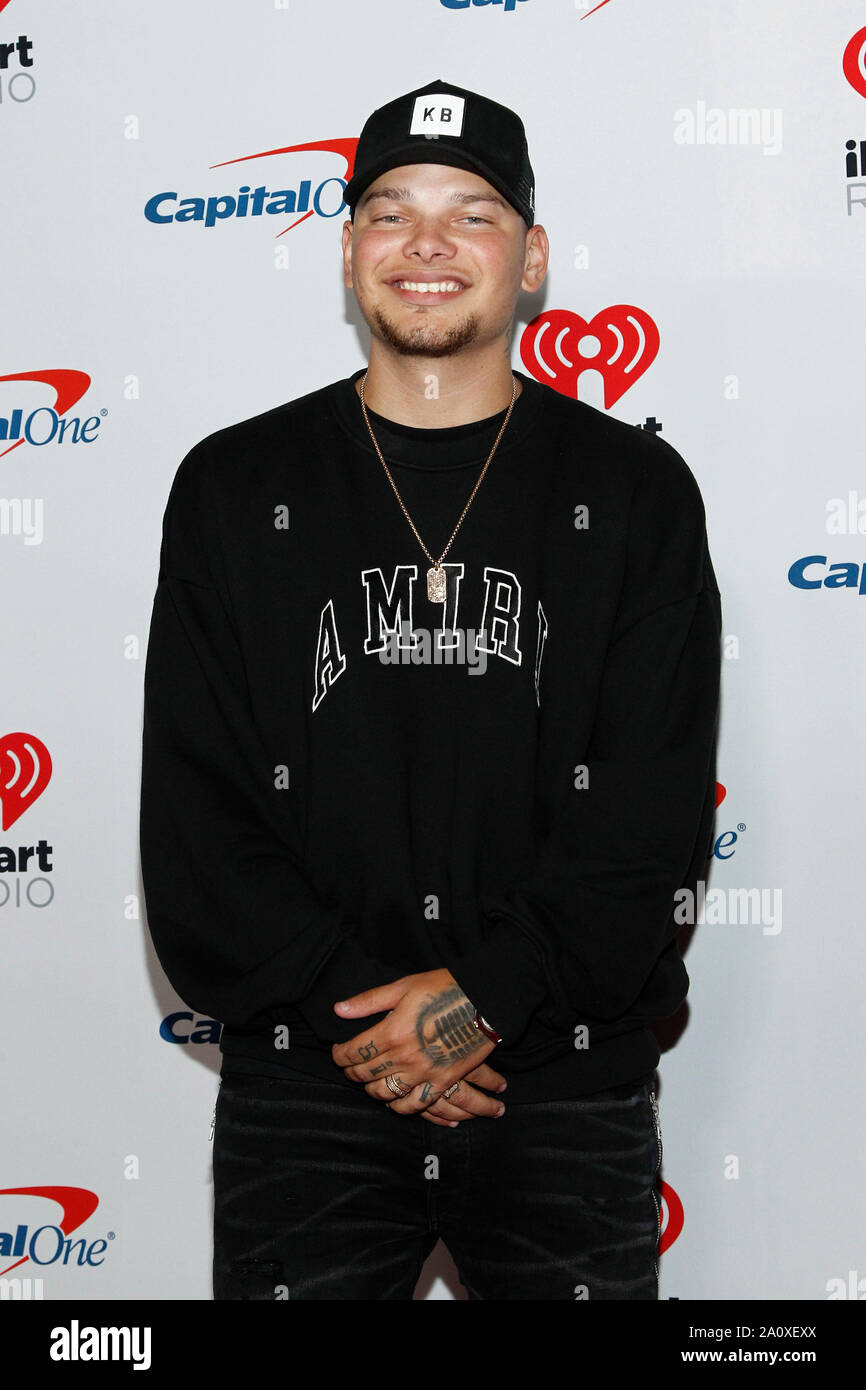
(620,343)
(25,771)
(671,1217)
(854,62)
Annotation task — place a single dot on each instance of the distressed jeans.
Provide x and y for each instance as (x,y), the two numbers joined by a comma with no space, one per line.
(321,1192)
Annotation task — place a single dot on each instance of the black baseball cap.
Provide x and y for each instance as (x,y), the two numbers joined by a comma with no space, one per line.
(445,124)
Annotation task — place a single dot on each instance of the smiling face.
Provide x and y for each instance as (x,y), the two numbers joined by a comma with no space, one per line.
(437,259)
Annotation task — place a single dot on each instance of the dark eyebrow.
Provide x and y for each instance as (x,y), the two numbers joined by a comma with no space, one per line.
(478,198)
(405,195)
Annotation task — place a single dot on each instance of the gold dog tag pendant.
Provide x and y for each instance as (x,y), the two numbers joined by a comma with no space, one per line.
(436,584)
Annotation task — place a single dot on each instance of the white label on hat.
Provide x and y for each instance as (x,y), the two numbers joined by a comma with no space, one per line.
(437,113)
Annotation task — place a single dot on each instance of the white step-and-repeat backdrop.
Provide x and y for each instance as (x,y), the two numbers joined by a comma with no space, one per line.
(171,187)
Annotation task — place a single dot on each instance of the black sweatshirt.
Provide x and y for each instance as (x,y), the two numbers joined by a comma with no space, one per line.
(324,810)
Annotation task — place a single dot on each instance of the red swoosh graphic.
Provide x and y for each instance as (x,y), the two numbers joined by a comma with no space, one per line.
(3,4)
(77,1202)
(344,147)
(598,7)
(68,387)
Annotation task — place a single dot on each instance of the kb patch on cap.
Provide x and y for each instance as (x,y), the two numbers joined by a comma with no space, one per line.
(438,113)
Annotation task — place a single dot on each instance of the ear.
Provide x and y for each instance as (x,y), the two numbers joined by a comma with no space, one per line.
(347,254)
(536,258)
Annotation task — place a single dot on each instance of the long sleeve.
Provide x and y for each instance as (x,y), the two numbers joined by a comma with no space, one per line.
(581,936)
(238,929)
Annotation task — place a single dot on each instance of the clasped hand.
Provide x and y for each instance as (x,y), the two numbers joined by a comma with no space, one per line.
(427,1043)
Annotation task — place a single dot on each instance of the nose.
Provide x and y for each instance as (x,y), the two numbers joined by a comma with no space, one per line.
(429,239)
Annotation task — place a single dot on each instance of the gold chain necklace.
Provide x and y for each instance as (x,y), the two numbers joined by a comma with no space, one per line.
(436,582)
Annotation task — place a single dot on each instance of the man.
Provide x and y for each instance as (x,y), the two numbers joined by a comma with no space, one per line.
(430,709)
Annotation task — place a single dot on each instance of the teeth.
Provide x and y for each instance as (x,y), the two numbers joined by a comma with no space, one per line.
(424,288)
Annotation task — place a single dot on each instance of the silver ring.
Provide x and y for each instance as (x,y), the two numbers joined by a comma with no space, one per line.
(392,1086)
(451,1090)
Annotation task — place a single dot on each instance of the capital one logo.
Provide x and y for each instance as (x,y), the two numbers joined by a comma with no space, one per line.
(49,1244)
(620,343)
(854,62)
(725,843)
(508,5)
(246,201)
(48,424)
(25,770)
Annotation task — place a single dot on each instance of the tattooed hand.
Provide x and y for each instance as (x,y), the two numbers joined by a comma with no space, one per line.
(427,1043)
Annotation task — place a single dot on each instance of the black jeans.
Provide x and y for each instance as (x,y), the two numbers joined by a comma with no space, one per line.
(323,1193)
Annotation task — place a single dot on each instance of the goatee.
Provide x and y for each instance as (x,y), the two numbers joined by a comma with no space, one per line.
(425,340)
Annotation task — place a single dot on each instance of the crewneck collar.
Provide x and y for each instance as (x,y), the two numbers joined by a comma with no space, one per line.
(456,446)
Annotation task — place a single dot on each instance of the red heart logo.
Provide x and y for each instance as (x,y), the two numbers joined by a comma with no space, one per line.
(25,770)
(672,1217)
(854,62)
(624,341)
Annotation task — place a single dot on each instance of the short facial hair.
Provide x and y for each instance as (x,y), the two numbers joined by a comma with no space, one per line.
(417,344)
